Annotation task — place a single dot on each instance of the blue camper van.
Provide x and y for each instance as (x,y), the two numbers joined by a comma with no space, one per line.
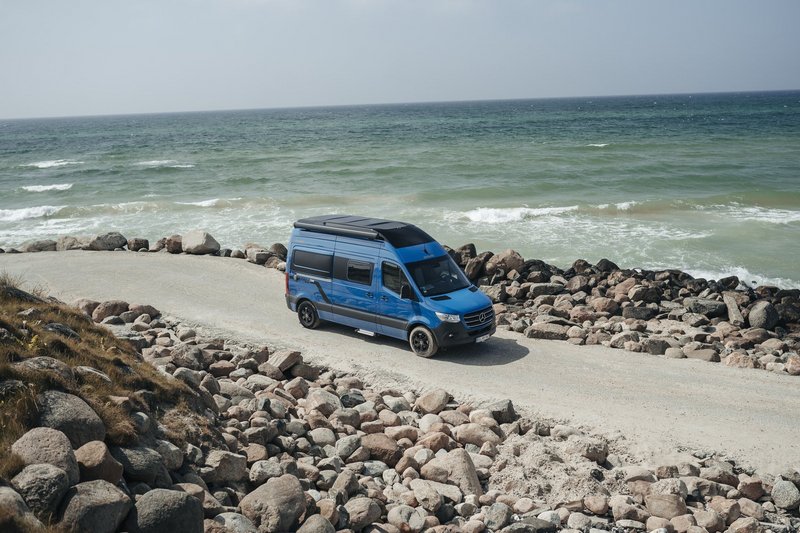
(385,277)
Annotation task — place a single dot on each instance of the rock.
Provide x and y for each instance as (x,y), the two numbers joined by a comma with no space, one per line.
(174,244)
(85,305)
(316,524)
(428,498)
(48,364)
(285,359)
(382,447)
(763,315)
(704,354)
(235,523)
(96,462)
(67,242)
(362,512)
(593,449)
(503,411)
(785,494)
(275,506)
(542,289)
(474,268)
(793,365)
(406,519)
(14,514)
(109,308)
(545,330)
(604,305)
(323,401)
(135,244)
(457,468)
(674,353)
(138,463)
(432,402)
(96,506)
(745,525)
(475,434)
(639,313)
(47,445)
(70,415)
(224,467)
(497,516)
(42,486)
(258,256)
(665,505)
(507,260)
(44,245)
(107,242)
(712,521)
(734,313)
(198,242)
(166,510)
(704,306)
(532,524)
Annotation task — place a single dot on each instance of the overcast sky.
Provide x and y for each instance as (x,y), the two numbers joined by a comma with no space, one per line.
(86,57)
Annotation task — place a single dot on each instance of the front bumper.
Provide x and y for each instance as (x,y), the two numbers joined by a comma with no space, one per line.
(454,333)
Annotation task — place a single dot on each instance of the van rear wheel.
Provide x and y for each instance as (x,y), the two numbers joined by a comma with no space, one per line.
(307,313)
(422,342)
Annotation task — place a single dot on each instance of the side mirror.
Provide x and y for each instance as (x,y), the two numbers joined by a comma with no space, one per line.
(405,292)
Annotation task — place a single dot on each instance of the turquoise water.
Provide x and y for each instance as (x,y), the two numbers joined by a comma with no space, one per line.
(706,183)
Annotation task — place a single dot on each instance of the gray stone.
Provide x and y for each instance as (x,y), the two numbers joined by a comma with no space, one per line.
(734,313)
(14,508)
(432,402)
(546,330)
(316,524)
(497,516)
(763,315)
(323,401)
(275,506)
(42,486)
(224,467)
(704,306)
(236,523)
(540,289)
(362,512)
(107,242)
(166,510)
(198,242)
(96,462)
(285,359)
(109,308)
(44,245)
(70,415)
(639,313)
(665,505)
(458,469)
(263,470)
(139,463)
(503,411)
(96,506)
(785,494)
(47,445)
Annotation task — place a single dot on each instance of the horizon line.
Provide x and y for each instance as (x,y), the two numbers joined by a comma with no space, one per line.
(378,104)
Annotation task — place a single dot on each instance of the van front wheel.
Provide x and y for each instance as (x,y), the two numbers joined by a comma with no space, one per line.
(422,342)
(307,313)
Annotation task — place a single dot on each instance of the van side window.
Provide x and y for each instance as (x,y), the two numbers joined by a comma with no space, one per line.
(393,277)
(359,272)
(312,263)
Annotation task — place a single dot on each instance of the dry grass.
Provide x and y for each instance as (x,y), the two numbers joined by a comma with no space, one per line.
(97,348)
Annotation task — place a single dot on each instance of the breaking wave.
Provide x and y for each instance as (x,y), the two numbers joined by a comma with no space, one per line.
(25,213)
(43,188)
(53,163)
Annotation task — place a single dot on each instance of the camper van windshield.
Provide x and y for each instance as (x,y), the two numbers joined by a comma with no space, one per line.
(436,276)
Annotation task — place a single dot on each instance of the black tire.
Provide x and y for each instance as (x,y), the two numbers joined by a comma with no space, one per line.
(422,342)
(307,313)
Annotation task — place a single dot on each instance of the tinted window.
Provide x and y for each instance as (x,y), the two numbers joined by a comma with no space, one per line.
(312,263)
(437,276)
(359,272)
(392,277)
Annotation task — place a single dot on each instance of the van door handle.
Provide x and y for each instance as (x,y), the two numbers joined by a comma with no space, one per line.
(384,299)
(369,295)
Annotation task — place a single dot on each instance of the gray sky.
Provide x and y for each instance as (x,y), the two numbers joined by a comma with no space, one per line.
(86,57)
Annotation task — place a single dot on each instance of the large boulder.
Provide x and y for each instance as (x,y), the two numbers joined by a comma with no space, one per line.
(276,505)
(15,515)
(96,506)
(96,462)
(174,244)
(546,330)
(107,242)
(42,486)
(47,445)
(199,242)
(704,306)
(166,510)
(72,416)
(109,308)
(507,260)
(382,447)
(362,512)
(763,315)
(223,467)
(432,402)
(139,463)
(67,242)
(45,245)
(456,468)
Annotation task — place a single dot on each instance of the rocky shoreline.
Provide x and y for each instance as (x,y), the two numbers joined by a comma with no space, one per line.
(254,439)
(666,313)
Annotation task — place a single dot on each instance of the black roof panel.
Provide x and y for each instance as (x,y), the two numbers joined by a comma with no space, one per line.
(398,234)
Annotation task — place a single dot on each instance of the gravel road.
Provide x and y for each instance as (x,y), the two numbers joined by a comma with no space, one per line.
(657,407)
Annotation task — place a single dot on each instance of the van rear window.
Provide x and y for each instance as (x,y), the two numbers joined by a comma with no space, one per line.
(359,272)
(312,263)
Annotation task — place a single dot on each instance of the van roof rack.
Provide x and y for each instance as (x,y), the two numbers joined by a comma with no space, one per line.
(398,234)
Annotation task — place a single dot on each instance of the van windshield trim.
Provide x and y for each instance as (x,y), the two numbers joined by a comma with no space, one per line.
(437,276)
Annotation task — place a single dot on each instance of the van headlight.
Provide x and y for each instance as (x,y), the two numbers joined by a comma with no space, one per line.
(444,317)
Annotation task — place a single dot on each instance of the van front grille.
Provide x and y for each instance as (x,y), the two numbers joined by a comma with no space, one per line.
(479,318)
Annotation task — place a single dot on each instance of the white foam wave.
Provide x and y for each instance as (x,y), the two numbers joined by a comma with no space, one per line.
(53,164)
(598,145)
(625,206)
(492,215)
(760,214)
(164,163)
(744,275)
(43,188)
(214,202)
(25,213)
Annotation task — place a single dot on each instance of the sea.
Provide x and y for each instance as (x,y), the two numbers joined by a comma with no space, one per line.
(705,183)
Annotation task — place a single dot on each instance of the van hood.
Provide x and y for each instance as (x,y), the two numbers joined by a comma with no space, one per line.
(459,302)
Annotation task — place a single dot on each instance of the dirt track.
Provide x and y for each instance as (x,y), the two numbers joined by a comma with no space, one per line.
(658,405)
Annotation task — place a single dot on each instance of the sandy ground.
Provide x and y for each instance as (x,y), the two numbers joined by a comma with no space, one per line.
(656,407)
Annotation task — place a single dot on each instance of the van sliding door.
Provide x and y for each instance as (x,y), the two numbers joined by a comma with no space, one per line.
(353,299)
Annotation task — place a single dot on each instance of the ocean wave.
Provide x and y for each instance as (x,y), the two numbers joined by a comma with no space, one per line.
(745,276)
(492,215)
(598,145)
(164,163)
(53,163)
(755,213)
(43,188)
(213,202)
(25,213)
